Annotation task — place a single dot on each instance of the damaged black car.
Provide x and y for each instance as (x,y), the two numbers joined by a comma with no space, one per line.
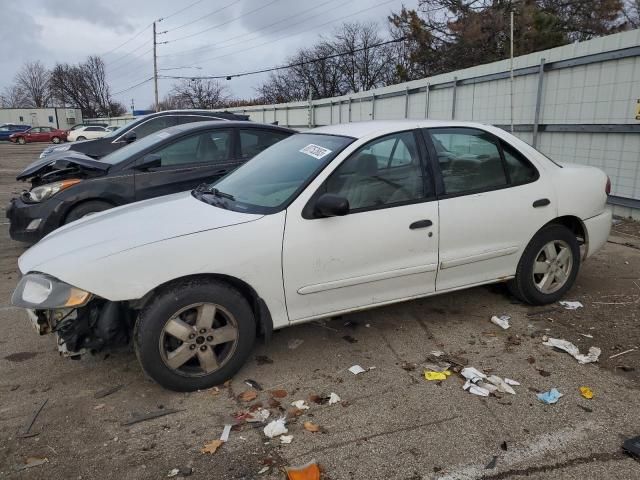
(67,186)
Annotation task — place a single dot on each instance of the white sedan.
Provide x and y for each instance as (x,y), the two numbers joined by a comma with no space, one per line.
(88,132)
(336,219)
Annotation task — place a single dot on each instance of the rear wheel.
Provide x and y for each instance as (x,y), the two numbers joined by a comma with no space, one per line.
(85,209)
(22,140)
(55,139)
(194,335)
(81,138)
(548,267)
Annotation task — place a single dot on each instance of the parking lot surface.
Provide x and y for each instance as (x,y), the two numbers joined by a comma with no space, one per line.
(391,422)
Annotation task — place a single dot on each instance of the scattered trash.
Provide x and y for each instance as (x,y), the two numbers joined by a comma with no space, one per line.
(502,321)
(311,427)
(150,416)
(286,439)
(571,349)
(503,445)
(263,470)
(309,471)
(173,473)
(295,343)
(349,339)
(212,446)
(508,381)
(437,366)
(623,353)
(275,428)
(278,393)
(492,463)
(334,398)
(260,415)
(586,392)
(632,446)
(225,433)
(571,305)
(26,431)
(431,375)
(183,471)
(585,335)
(253,384)
(480,384)
(356,369)
(248,395)
(100,406)
(300,405)
(436,353)
(107,391)
(30,462)
(552,396)
(501,385)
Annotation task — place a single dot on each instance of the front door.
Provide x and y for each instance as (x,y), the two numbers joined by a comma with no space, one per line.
(385,249)
(487,212)
(188,162)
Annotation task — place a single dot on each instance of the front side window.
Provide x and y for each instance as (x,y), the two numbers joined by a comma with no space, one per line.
(253,141)
(207,147)
(469,160)
(384,172)
(35,130)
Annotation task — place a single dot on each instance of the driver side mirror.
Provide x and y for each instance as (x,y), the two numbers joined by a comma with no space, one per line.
(330,205)
(149,161)
(130,137)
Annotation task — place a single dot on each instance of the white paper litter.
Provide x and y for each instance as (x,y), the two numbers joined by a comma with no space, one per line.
(571,305)
(300,404)
(585,335)
(501,385)
(294,343)
(263,470)
(472,374)
(286,439)
(275,428)
(225,433)
(476,390)
(334,398)
(508,381)
(502,321)
(356,369)
(260,415)
(173,472)
(571,349)
(436,353)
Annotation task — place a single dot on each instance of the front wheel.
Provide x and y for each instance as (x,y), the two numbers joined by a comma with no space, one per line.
(548,266)
(194,335)
(55,139)
(22,140)
(81,138)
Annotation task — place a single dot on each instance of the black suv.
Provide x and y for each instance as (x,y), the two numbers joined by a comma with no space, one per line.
(140,128)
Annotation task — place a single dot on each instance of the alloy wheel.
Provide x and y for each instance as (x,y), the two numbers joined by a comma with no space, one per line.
(552,266)
(199,339)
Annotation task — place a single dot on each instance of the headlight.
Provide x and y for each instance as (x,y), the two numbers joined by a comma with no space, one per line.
(50,150)
(40,291)
(41,193)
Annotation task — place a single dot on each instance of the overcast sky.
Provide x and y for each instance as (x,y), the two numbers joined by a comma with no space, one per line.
(241,35)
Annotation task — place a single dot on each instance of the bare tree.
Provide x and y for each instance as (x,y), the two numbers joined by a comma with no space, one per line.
(33,81)
(631,13)
(199,93)
(13,97)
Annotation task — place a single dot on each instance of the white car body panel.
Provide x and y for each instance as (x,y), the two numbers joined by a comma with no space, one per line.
(331,265)
(82,132)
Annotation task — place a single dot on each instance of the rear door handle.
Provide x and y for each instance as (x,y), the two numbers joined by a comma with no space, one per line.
(543,202)
(421,224)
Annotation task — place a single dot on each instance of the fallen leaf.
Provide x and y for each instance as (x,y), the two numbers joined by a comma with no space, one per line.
(586,392)
(294,412)
(248,395)
(279,393)
(273,403)
(311,427)
(212,446)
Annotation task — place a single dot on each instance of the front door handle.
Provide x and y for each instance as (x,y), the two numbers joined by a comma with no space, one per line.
(543,202)
(421,224)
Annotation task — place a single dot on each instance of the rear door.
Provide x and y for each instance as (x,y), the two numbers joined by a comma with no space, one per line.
(203,156)
(487,193)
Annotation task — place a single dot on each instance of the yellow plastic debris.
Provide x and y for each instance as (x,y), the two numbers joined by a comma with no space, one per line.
(431,375)
(586,392)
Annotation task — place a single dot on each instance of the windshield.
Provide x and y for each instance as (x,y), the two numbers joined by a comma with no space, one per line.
(131,149)
(274,177)
(128,126)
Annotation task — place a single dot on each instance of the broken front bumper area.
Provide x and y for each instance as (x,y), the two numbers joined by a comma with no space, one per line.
(92,328)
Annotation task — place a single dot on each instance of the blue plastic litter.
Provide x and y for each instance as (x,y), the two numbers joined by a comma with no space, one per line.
(552,396)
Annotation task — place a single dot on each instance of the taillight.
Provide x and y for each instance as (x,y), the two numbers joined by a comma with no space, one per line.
(607,188)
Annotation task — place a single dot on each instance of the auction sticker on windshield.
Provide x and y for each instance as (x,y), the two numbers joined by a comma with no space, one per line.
(315,151)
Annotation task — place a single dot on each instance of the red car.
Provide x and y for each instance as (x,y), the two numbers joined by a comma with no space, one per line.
(39,134)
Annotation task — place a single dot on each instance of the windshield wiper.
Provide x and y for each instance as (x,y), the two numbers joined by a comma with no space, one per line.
(205,189)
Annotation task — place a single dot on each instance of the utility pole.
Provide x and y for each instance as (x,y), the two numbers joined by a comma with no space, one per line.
(155,66)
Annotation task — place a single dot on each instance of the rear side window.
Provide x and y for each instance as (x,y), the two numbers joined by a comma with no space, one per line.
(153,125)
(207,147)
(519,168)
(253,141)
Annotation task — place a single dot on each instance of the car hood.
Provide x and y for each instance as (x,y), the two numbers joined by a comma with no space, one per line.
(61,161)
(124,228)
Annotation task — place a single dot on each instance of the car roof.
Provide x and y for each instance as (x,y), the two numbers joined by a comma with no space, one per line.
(363,129)
(207,113)
(194,126)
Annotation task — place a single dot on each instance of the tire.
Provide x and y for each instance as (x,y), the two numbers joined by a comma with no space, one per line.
(555,276)
(55,139)
(86,208)
(183,302)
(22,140)
(80,138)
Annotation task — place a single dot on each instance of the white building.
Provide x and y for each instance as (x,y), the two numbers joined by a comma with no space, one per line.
(62,118)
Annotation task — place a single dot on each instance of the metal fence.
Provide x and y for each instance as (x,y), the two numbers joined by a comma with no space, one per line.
(578,103)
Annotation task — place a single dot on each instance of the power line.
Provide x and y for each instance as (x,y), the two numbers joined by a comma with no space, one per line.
(127,41)
(161,19)
(128,62)
(291,65)
(244,36)
(127,54)
(223,23)
(133,86)
(200,18)
(292,34)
